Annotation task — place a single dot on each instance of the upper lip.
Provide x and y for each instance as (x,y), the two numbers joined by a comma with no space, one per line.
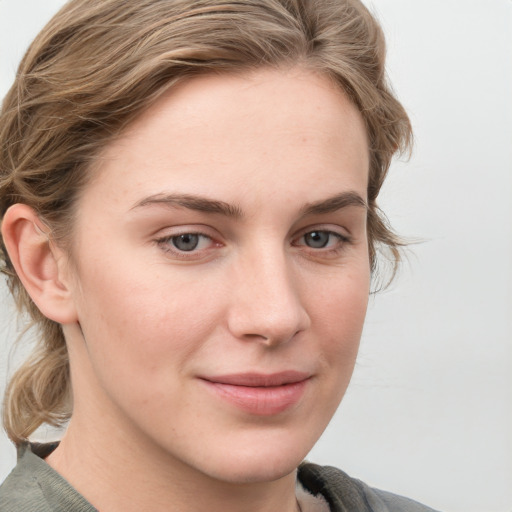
(254,379)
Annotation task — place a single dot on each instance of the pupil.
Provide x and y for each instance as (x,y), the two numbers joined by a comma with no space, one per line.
(187,242)
(317,239)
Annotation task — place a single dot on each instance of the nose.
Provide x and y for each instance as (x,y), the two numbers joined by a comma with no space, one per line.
(266,301)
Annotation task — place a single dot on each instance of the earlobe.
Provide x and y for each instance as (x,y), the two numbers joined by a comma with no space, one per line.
(38,263)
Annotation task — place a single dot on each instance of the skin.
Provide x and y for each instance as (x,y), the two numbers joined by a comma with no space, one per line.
(146,323)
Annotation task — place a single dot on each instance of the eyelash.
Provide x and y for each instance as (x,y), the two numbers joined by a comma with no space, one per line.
(338,247)
(167,243)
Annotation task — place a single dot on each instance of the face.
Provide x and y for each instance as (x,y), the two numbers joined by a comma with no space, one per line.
(221,273)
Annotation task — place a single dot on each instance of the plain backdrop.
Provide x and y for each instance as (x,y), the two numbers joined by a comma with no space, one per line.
(429,410)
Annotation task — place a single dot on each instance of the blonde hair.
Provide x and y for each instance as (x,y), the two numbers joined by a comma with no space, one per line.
(99,63)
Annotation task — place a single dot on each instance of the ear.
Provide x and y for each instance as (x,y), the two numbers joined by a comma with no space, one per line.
(39,264)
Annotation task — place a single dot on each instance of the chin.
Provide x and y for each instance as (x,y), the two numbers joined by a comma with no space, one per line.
(262,460)
(240,470)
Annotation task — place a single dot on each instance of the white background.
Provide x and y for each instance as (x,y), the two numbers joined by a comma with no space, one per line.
(429,411)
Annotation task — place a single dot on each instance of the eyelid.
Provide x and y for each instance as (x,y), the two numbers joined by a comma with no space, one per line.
(335,251)
(339,231)
(337,235)
(199,236)
(164,242)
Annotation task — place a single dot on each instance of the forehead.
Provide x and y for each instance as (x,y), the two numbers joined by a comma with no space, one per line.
(268,126)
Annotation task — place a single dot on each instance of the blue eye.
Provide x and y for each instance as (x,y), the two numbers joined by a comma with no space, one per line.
(321,239)
(186,242)
(192,245)
(317,239)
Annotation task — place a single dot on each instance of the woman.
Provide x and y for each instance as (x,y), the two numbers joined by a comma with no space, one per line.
(188,200)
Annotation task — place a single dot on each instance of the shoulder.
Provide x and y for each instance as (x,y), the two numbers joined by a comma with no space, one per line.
(343,492)
(33,486)
(21,489)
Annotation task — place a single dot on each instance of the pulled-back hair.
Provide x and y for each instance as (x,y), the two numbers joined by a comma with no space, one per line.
(99,63)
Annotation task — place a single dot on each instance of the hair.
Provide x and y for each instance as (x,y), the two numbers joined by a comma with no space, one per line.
(98,64)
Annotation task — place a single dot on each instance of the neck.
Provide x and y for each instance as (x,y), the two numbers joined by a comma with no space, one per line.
(118,473)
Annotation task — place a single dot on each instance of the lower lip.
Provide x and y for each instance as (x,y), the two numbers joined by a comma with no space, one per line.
(262,401)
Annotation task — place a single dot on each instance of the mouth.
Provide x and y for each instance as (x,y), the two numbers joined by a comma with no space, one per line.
(258,393)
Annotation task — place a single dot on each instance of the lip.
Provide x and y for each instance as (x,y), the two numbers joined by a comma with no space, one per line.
(258,393)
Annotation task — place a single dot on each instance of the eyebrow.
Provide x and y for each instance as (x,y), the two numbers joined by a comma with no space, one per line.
(333,204)
(204,204)
(192,202)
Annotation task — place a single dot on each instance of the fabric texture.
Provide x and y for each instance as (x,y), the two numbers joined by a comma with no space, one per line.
(346,494)
(33,486)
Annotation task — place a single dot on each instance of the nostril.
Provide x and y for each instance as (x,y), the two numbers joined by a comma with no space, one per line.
(255,336)
(270,339)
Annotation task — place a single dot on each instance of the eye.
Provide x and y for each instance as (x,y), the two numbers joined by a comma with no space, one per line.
(187,242)
(320,239)
(317,239)
(184,243)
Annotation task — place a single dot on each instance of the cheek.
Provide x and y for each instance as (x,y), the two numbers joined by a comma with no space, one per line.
(338,314)
(339,301)
(136,323)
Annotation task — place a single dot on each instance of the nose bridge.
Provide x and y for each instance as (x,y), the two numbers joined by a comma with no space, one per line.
(267,304)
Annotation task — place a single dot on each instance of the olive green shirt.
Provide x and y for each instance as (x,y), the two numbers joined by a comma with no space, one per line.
(33,486)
